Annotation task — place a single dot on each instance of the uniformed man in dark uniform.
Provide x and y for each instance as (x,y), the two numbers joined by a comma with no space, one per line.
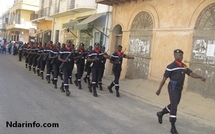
(117,59)
(48,60)
(95,56)
(55,63)
(103,62)
(176,73)
(88,67)
(39,53)
(80,61)
(66,55)
(42,60)
(21,46)
(35,56)
(30,56)
(26,49)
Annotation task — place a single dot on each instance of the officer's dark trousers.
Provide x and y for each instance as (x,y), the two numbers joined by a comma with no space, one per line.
(66,72)
(34,62)
(48,68)
(88,70)
(101,75)
(95,74)
(80,70)
(26,61)
(115,83)
(56,72)
(175,97)
(30,61)
(42,65)
(20,55)
(38,65)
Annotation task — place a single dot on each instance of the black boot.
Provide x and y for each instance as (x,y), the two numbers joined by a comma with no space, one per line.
(110,87)
(76,82)
(41,74)
(29,68)
(55,84)
(70,81)
(100,86)
(95,93)
(48,78)
(90,88)
(79,85)
(67,91)
(26,65)
(160,117)
(173,129)
(53,81)
(62,88)
(117,93)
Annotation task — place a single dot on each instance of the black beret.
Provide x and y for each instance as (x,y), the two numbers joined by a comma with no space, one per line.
(178,51)
(96,43)
(119,46)
(69,41)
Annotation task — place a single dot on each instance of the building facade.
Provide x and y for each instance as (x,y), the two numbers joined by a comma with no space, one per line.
(80,21)
(19,22)
(43,21)
(151,30)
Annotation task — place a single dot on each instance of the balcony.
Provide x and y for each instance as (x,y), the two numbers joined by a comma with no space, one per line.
(25,5)
(69,7)
(22,25)
(42,14)
(114,2)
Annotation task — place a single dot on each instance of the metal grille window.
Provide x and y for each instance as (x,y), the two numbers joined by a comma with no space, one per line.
(140,42)
(203,53)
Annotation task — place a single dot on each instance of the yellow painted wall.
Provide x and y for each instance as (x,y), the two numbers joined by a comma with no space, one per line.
(26,15)
(44,25)
(173,22)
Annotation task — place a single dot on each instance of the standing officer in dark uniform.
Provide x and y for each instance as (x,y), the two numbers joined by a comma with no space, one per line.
(35,56)
(48,60)
(66,55)
(95,56)
(88,67)
(176,73)
(103,61)
(20,50)
(30,56)
(42,60)
(26,54)
(116,60)
(80,60)
(39,55)
(55,63)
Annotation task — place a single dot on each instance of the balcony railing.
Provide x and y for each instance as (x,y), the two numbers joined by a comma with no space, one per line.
(44,12)
(33,16)
(22,25)
(70,4)
(114,2)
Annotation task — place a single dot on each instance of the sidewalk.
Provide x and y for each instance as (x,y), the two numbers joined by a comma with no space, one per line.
(201,109)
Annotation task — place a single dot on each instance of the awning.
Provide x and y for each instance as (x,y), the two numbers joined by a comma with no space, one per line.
(70,24)
(84,24)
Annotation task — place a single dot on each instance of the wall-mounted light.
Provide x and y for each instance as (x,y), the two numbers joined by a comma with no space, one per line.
(22,32)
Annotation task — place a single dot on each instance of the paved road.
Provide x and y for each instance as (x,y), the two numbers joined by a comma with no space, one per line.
(25,98)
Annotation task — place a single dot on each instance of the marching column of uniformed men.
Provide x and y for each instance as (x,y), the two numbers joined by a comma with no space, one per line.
(60,60)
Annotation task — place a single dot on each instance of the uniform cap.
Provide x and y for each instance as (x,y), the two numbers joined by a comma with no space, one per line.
(178,51)
(69,41)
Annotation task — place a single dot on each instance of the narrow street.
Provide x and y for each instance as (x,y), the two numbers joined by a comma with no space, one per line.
(25,97)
